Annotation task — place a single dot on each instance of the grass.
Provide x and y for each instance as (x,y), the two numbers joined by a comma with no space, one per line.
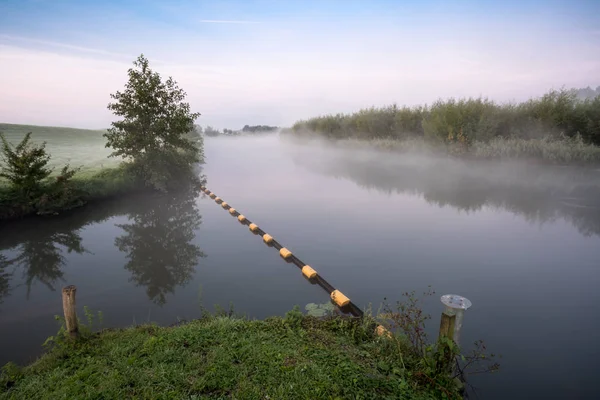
(77,147)
(99,177)
(296,357)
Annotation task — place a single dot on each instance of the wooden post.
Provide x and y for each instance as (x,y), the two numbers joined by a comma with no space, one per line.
(69,308)
(447,325)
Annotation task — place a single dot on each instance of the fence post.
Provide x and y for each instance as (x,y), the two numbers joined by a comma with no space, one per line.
(69,309)
(453,315)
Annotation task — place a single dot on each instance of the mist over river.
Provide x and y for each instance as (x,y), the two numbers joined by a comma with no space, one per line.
(521,241)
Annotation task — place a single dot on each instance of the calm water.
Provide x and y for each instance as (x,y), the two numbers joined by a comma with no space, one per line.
(522,243)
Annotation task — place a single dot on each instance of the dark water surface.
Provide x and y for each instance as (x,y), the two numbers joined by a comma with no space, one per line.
(521,242)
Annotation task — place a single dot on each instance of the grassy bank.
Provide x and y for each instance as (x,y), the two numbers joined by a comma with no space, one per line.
(97,177)
(85,187)
(83,148)
(557,127)
(296,357)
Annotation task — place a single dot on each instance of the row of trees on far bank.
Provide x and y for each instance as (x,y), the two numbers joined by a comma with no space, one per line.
(247,129)
(559,112)
(155,138)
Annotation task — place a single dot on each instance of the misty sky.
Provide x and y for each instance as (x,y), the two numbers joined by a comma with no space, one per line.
(273,62)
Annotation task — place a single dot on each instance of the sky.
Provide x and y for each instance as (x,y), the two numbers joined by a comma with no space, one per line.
(275,62)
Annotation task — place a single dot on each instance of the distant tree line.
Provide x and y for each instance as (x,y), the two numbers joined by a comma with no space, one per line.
(247,129)
(259,128)
(559,112)
(588,93)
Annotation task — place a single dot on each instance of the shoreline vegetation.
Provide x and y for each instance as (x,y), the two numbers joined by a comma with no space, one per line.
(559,127)
(319,355)
(157,153)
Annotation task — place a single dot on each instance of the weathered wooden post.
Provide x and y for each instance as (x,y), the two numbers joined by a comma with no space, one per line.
(69,308)
(452,317)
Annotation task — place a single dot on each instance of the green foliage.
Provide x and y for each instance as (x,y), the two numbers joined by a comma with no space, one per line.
(458,124)
(31,187)
(222,357)
(155,130)
(559,149)
(320,310)
(25,167)
(439,366)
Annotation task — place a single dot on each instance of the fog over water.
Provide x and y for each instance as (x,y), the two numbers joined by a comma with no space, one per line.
(520,240)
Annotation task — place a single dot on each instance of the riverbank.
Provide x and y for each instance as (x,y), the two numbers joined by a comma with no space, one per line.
(557,127)
(216,357)
(84,188)
(547,150)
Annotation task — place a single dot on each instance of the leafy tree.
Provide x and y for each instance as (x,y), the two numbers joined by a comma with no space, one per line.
(154,131)
(25,167)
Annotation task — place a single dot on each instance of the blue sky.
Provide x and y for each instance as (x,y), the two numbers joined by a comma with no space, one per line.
(273,62)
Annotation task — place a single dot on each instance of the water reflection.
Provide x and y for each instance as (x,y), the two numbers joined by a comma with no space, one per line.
(157,241)
(158,244)
(4,277)
(537,193)
(41,258)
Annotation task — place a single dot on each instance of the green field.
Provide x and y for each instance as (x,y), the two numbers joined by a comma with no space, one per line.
(77,147)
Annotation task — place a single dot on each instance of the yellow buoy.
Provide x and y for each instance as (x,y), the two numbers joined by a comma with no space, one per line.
(253,228)
(241,218)
(232,211)
(308,272)
(207,191)
(285,253)
(218,200)
(381,331)
(339,298)
(212,195)
(224,205)
(268,239)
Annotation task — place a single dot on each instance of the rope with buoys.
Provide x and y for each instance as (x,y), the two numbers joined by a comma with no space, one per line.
(338,298)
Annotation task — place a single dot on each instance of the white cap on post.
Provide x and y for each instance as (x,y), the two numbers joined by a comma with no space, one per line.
(456,305)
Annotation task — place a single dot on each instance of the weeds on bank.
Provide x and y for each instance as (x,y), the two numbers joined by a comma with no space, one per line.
(222,355)
(440,365)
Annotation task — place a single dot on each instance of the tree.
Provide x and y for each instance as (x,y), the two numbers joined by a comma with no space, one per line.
(155,130)
(26,167)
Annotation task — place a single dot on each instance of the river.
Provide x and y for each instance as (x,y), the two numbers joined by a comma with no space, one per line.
(522,242)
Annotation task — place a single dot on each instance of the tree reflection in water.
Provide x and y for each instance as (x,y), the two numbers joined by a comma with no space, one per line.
(539,194)
(41,258)
(158,243)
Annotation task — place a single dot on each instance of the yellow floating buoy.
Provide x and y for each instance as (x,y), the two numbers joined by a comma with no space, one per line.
(268,239)
(206,191)
(253,228)
(218,200)
(285,253)
(232,211)
(224,205)
(339,298)
(308,272)
(241,218)
(381,331)
(212,195)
